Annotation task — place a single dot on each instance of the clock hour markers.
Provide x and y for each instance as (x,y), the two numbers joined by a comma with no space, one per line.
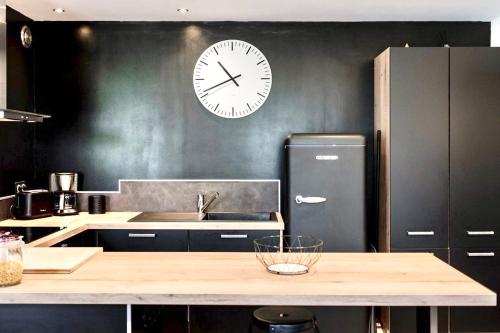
(232,112)
(249,108)
(203,62)
(265,78)
(261,95)
(216,51)
(216,107)
(248,49)
(204,95)
(199,79)
(232,49)
(260,62)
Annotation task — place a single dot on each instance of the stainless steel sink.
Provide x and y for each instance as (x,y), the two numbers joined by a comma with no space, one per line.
(196,217)
(167,217)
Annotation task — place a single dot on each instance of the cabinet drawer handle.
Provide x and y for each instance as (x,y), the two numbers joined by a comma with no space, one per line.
(228,236)
(142,235)
(480,233)
(420,233)
(480,254)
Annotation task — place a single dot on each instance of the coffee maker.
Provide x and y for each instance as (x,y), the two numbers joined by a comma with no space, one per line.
(63,186)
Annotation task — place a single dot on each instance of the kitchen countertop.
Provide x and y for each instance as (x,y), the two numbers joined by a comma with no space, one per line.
(75,224)
(338,279)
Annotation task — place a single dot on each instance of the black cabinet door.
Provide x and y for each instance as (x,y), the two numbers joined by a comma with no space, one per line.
(225,240)
(483,265)
(474,147)
(50,318)
(143,240)
(404,319)
(419,129)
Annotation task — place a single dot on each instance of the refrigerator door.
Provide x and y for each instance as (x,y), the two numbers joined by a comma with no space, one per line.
(325,185)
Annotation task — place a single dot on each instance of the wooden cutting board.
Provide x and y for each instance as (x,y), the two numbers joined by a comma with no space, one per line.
(54,260)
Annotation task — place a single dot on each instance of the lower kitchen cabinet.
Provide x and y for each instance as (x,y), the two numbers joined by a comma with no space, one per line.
(50,318)
(483,265)
(143,240)
(404,319)
(87,238)
(225,240)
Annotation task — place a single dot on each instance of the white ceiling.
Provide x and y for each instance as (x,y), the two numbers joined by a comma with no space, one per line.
(260,10)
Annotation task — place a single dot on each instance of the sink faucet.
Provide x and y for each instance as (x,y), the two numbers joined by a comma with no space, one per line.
(203,204)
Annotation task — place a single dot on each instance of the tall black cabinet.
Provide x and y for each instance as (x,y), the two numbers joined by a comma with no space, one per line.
(437,116)
(475,178)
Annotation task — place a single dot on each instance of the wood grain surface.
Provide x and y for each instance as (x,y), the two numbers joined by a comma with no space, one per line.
(338,279)
(56,260)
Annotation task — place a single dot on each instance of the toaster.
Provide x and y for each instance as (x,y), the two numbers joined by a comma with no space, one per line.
(32,204)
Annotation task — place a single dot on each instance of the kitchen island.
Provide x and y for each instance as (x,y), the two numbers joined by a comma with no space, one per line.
(183,278)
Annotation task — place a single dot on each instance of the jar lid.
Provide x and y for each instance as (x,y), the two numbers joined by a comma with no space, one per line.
(7,237)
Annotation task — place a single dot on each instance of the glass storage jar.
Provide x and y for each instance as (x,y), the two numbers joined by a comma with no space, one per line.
(11,259)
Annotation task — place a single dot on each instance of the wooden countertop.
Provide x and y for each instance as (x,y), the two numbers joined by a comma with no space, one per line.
(56,260)
(75,224)
(338,279)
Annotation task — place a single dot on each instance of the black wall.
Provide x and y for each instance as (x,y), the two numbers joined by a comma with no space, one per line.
(123,104)
(17,139)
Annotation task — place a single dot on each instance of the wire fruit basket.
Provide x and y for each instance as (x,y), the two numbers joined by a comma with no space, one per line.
(290,256)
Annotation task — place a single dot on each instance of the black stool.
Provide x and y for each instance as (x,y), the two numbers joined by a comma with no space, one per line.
(283,319)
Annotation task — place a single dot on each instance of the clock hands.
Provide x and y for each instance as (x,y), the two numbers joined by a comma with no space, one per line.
(225,70)
(233,78)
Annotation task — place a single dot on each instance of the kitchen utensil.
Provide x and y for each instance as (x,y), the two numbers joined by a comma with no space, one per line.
(97,204)
(31,204)
(63,186)
(291,255)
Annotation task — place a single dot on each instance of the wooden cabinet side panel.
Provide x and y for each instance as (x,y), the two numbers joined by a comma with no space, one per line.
(382,123)
(382,102)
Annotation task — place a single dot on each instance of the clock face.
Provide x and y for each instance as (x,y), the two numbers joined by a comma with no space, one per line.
(232,79)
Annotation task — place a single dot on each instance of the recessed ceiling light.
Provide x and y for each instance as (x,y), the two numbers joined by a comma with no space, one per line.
(183,10)
(58,10)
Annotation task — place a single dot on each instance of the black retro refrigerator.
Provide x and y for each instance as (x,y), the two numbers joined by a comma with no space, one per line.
(325,198)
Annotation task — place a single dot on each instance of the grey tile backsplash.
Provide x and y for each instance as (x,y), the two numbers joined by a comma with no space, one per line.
(180,195)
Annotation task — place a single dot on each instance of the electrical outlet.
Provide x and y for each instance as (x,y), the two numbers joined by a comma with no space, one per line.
(20,186)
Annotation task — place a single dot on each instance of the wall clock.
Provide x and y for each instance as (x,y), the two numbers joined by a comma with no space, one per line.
(232,79)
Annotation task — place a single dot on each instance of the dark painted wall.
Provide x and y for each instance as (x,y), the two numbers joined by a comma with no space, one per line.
(17,139)
(123,104)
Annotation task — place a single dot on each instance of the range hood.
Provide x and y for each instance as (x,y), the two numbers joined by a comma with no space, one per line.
(8,114)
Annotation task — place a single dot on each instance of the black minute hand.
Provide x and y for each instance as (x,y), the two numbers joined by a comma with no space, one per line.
(225,70)
(220,84)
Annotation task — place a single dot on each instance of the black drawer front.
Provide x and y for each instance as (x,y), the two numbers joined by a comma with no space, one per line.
(483,265)
(143,240)
(475,235)
(225,240)
(419,237)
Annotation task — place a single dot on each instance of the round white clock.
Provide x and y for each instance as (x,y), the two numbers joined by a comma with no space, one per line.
(232,79)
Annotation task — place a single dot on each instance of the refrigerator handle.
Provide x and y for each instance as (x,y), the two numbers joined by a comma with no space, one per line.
(309,200)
